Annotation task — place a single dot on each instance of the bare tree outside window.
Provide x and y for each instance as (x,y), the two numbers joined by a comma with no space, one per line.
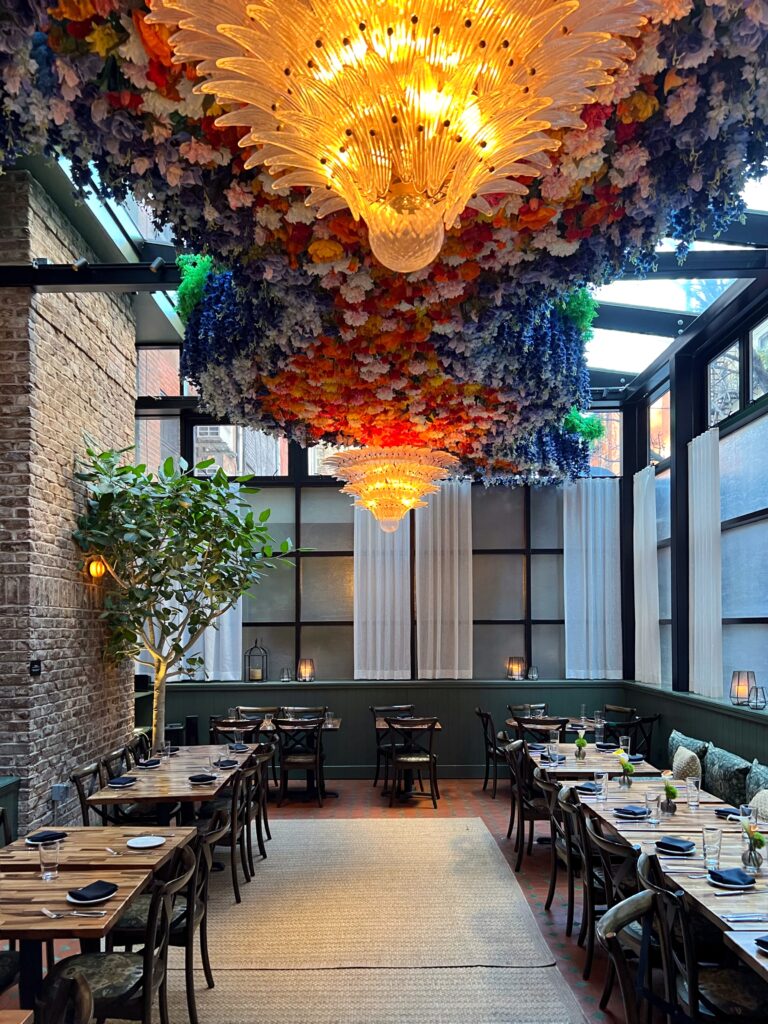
(659,430)
(759,340)
(606,452)
(724,377)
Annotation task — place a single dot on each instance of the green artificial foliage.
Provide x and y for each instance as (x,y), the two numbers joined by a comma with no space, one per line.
(591,428)
(670,791)
(180,547)
(194,274)
(580,308)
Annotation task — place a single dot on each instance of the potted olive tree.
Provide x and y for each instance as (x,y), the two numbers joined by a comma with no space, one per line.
(179,548)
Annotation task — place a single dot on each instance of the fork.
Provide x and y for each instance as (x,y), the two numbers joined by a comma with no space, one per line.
(113,852)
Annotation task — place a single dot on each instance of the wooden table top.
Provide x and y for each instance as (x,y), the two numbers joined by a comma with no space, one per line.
(16,1017)
(87,847)
(170,782)
(22,893)
(382,726)
(684,818)
(743,944)
(595,761)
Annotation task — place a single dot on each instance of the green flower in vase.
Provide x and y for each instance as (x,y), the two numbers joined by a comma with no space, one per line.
(581,746)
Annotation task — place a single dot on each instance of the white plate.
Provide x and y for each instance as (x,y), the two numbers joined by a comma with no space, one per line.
(145,842)
(88,903)
(736,888)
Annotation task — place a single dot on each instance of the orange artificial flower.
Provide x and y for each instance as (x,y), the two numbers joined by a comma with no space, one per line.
(154,39)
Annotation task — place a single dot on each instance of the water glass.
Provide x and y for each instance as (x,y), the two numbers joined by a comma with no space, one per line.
(693,789)
(231,713)
(601,778)
(583,713)
(624,743)
(554,742)
(713,838)
(598,717)
(285,675)
(652,797)
(599,732)
(49,860)
(328,719)
(533,672)
(745,811)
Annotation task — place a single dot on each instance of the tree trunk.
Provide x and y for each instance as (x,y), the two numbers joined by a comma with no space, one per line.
(158,704)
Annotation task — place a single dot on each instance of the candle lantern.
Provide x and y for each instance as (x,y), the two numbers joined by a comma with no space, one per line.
(256,664)
(305,673)
(741,684)
(515,668)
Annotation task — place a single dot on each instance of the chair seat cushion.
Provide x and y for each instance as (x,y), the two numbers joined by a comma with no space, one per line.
(134,918)
(111,977)
(9,967)
(738,995)
(413,758)
(299,759)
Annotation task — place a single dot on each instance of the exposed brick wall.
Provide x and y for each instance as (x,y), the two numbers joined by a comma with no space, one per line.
(67,375)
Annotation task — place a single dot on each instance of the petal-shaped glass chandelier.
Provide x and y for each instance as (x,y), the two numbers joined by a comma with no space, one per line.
(406,113)
(389,482)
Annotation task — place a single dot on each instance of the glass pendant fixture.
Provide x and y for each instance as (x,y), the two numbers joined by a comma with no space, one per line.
(389,482)
(405,113)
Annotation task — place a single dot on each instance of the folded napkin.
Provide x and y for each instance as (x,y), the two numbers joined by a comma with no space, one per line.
(725,812)
(151,762)
(94,891)
(536,746)
(732,876)
(202,777)
(556,759)
(675,844)
(607,746)
(635,758)
(174,750)
(122,781)
(762,942)
(226,762)
(633,811)
(48,836)
(588,787)
(240,747)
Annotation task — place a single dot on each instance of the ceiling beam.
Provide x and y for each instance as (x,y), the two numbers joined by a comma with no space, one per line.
(719,263)
(613,316)
(753,231)
(96,277)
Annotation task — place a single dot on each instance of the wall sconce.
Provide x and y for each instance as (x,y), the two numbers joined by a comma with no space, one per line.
(515,668)
(96,568)
(305,673)
(741,684)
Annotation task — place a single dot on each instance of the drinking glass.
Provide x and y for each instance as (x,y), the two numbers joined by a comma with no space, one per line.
(583,713)
(692,789)
(599,732)
(328,719)
(554,743)
(598,716)
(652,797)
(601,778)
(533,673)
(285,675)
(713,838)
(624,743)
(49,860)
(537,712)
(745,811)
(231,713)
(167,751)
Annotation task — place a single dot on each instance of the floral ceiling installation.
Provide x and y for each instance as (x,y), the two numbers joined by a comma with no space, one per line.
(402,113)
(300,330)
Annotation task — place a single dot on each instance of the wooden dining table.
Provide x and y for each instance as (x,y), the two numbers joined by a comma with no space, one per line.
(90,847)
(16,1017)
(595,761)
(743,945)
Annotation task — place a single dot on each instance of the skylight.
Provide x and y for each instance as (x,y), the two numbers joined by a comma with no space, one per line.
(684,295)
(624,350)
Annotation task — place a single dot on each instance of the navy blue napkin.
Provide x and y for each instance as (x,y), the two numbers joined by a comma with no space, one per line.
(238,747)
(122,781)
(725,812)
(633,811)
(676,844)
(226,762)
(635,758)
(94,891)
(762,942)
(607,746)
(47,836)
(536,746)
(203,777)
(588,787)
(553,760)
(151,762)
(732,876)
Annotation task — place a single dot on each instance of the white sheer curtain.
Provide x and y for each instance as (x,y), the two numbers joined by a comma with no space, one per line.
(705,567)
(221,646)
(647,638)
(444,583)
(382,600)
(592,579)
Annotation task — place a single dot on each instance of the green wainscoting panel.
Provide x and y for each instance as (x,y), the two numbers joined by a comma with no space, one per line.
(9,801)
(351,753)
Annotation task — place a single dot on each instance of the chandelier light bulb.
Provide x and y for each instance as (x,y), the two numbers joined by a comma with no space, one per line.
(389,482)
(405,113)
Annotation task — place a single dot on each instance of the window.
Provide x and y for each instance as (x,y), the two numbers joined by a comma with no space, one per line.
(723,384)
(664,559)
(241,451)
(606,453)
(157,372)
(157,438)
(758,339)
(315,456)
(659,429)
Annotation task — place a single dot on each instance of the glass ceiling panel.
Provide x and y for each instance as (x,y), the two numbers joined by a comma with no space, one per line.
(684,295)
(623,350)
(755,195)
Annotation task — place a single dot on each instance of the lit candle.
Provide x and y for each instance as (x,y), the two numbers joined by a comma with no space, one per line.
(255,674)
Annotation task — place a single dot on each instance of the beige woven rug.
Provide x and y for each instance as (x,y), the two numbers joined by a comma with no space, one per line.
(375,893)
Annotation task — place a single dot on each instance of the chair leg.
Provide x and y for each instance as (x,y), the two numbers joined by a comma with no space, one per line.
(259,840)
(530,837)
(243,844)
(512,811)
(265,813)
(552,879)
(233,869)
(487,770)
(393,788)
(283,786)
(520,839)
(204,951)
(610,977)
(433,784)
(189,981)
(590,937)
(437,788)
(421,781)
(163,1000)
(571,901)
(495,778)
(249,848)
(584,914)
(378,767)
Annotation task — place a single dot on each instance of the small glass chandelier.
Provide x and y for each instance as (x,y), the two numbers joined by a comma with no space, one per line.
(389,482)
(405,113)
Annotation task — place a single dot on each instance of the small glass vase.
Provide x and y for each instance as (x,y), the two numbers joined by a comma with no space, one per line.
(751,858)
(625,780)
(581,753)
(668,808)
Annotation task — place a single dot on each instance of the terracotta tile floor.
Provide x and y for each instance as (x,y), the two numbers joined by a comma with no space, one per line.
(465,798)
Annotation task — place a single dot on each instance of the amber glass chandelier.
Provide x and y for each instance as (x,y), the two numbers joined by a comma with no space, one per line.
(389,482)
(405,112)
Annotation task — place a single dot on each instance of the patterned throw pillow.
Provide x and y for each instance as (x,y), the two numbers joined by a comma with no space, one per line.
(686,765)
(757,779)
(725,775)
(760,803)
(679,739)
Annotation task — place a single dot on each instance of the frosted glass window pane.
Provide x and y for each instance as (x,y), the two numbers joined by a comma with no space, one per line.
(745,571)
(663,507)
(279,643)
(665,636)
(745,647)
(498,586)
(759,345)
(274,598)
(548,651)
(665,583)
(546,517)
(327,588)
(157,438)
(331,649)
(497,517)
(659,429)
(723,383)
(326,519)
(317,453)
(547,587)
(281,503)
(744,470)
(492,646)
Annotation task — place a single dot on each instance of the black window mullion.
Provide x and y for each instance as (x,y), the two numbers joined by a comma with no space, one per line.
(527,630)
